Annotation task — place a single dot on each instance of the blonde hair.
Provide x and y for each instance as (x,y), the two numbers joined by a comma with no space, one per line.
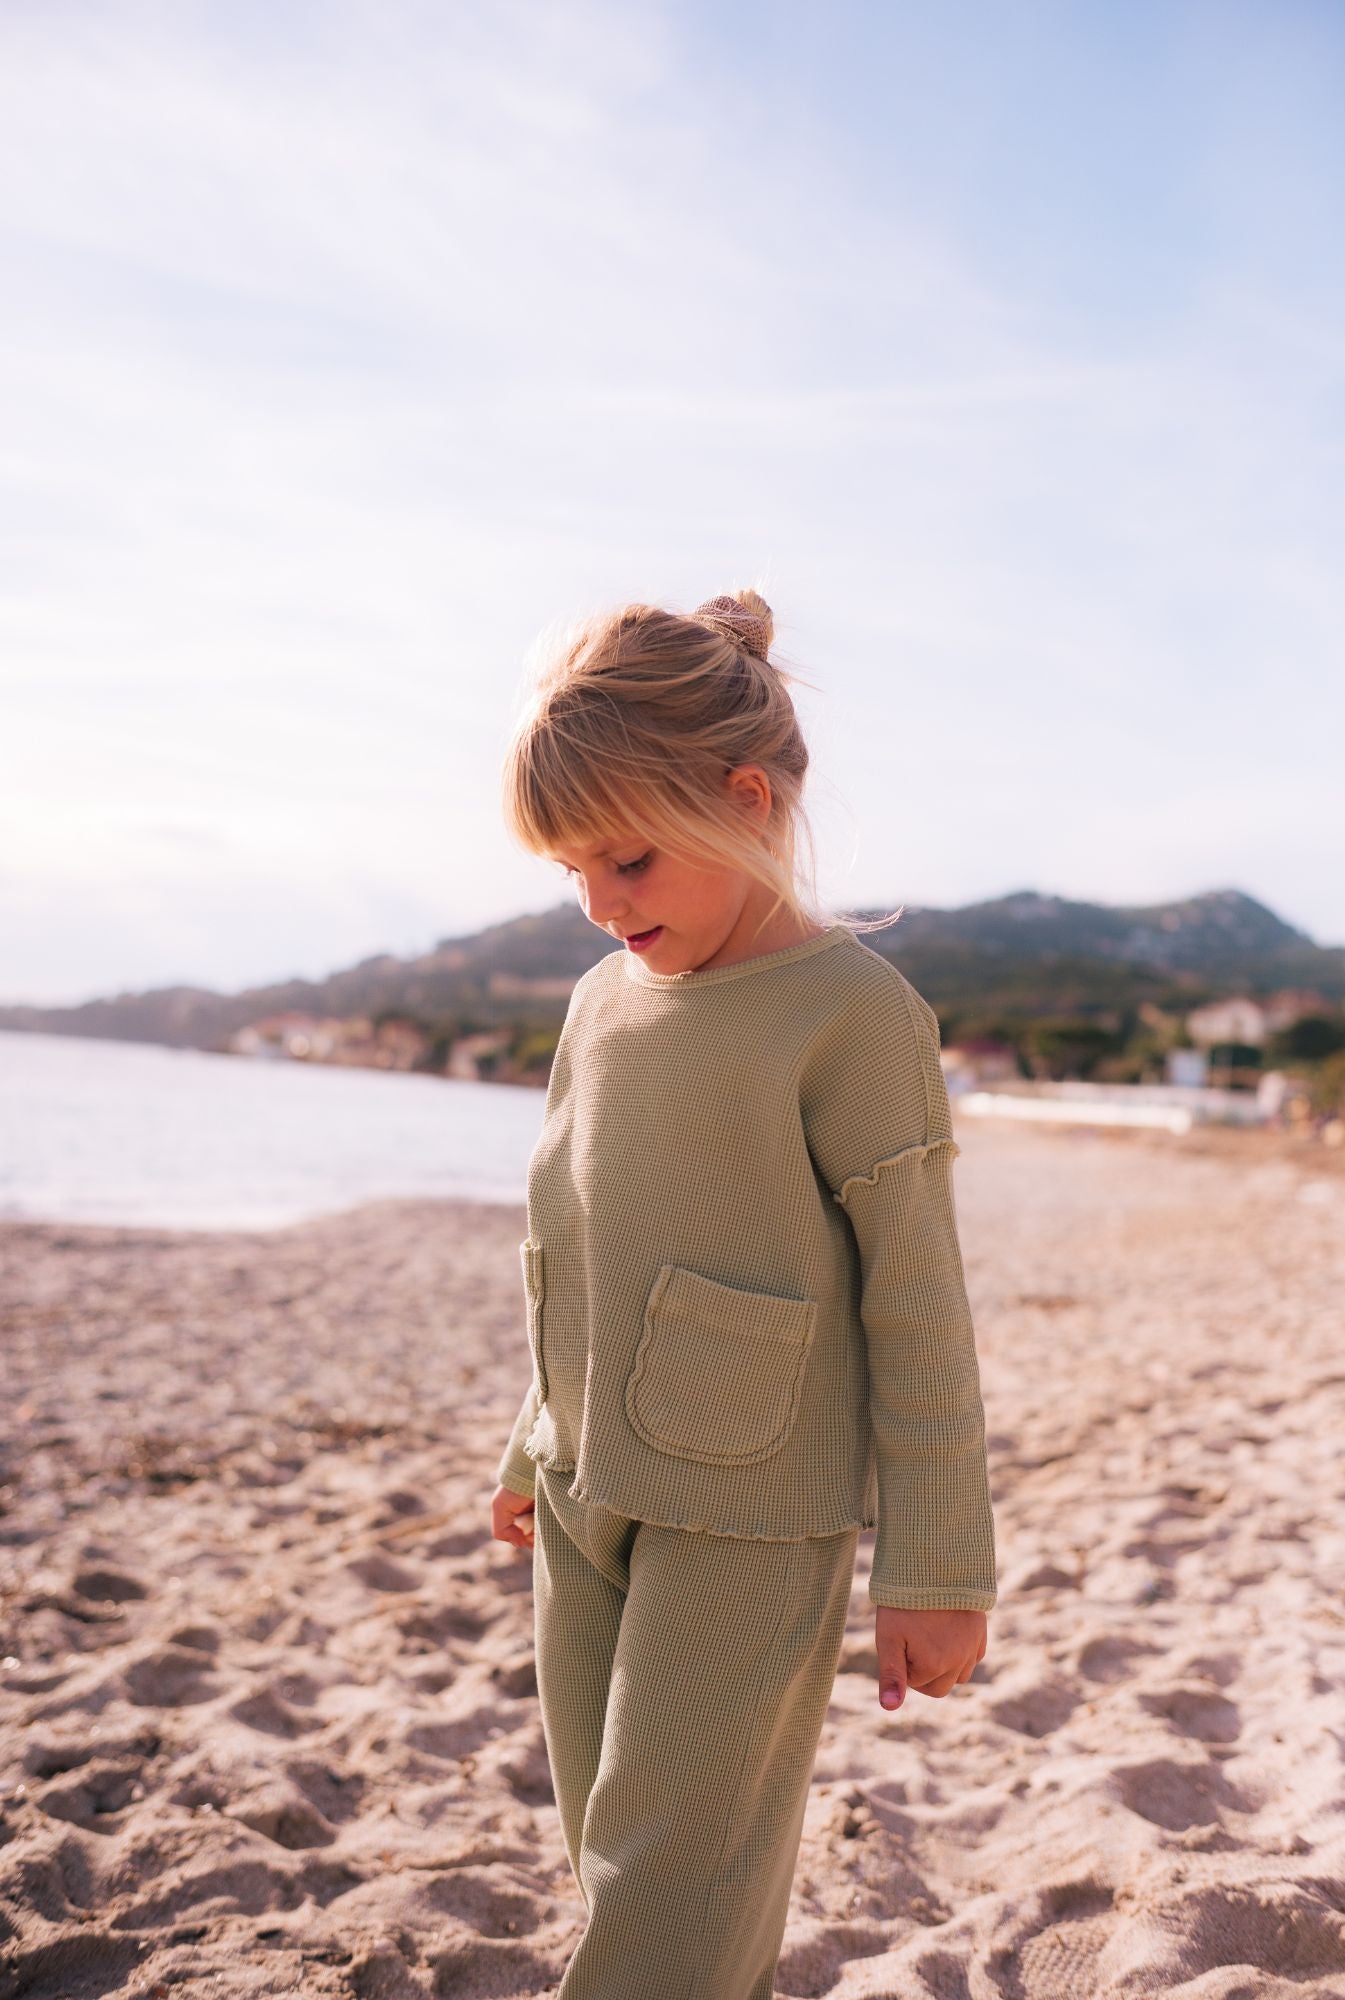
(635,716)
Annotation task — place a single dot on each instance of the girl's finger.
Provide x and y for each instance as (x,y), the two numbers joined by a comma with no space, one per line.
(893,1676)
(940,1685)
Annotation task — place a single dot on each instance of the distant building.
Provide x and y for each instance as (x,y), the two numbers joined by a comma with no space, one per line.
(1292,1004)
(1237,1020)
(969,1065)
(351,1044)
(302,1037)
(466,1055)
(401,1045)
(1188,1068)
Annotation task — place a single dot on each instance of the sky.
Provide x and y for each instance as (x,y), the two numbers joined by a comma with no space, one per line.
(349,348)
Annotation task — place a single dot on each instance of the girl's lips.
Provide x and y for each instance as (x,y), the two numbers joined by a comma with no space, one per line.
(641,940)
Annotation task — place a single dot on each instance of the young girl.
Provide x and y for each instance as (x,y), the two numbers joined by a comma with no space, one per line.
(746,1309)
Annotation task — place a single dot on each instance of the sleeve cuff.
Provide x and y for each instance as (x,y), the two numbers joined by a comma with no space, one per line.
(951,1599)
(518,1482)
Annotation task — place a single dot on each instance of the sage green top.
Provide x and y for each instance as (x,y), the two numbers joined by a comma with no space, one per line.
(745,1296)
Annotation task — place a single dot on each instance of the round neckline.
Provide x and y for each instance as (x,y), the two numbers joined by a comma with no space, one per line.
(706,975)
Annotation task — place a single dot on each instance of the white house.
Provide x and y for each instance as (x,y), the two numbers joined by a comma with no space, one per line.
(1236,1020)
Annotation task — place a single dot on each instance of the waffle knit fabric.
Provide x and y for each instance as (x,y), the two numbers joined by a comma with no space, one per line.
(746,1305)
(683,1681)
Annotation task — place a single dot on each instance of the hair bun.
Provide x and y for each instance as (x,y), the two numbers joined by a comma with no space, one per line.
(746,619)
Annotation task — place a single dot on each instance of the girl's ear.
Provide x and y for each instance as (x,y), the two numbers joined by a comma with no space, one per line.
(751,785)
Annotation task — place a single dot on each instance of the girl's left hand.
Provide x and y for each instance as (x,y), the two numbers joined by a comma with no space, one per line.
(931,1651)
(512,1517)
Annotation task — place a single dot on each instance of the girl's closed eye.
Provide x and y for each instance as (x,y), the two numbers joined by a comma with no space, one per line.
(636,867)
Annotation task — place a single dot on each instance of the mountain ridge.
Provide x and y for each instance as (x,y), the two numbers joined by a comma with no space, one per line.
(1024,952)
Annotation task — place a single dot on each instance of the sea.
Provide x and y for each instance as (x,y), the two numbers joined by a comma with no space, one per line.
(132,1133)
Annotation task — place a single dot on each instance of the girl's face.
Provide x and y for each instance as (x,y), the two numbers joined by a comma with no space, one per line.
(698,916)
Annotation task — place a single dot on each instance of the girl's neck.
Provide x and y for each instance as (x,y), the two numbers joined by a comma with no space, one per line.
(777,936)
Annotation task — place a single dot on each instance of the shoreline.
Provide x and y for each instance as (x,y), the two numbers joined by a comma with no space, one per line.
(1250,1145)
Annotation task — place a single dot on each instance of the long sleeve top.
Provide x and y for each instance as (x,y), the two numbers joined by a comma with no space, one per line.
(746,1306)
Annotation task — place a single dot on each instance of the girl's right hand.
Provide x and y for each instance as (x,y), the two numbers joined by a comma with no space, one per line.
(512,1517)
(931,1651)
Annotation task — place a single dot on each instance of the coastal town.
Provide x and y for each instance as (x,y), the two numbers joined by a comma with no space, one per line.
(1275,1060)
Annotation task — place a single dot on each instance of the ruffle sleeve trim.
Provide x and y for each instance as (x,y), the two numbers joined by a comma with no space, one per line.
(907,1153)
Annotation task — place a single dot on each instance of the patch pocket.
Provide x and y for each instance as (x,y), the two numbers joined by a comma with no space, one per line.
(530,1254)
(718,1371)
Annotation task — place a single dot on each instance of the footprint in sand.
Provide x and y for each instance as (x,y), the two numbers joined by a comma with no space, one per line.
(1221,1668)
(944,1977)
(1111,1658)
(89,1965)
(528,1772)
(379,1972)
(1165,1551)
(1196,1712)
(1035,1711)
(476,1897)
(1040,1576)
(380,1572)
(1176,1795)
(517,1676)
(51,1757)
(1053,1941)
(34,1680)
(108,1586)
(441,1627)
(451,1740)
(271,1715)
(285,1816)
(238,1885)
(94,1798)
(336,1794)
(1293,1929)
(461,1543)
(169,1677)
(485,1965)
(433,1679)
(197,1638)
(815,1963)
(1081,1896)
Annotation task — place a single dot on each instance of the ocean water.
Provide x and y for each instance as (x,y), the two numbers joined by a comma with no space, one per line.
(125,1132)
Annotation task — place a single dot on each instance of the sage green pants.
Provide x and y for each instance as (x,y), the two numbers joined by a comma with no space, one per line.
(683,1679)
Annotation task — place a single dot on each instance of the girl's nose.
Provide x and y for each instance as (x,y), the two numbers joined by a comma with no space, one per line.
(605,910)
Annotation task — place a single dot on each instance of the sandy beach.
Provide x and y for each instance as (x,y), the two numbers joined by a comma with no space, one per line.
(268,1718)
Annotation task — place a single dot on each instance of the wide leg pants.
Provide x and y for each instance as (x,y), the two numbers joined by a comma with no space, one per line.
(683,1678)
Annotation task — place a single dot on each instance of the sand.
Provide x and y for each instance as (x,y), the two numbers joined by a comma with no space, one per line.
(268,1715)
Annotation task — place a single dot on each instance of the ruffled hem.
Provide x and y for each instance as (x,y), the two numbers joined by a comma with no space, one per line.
(575,1491)
(907,1152)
